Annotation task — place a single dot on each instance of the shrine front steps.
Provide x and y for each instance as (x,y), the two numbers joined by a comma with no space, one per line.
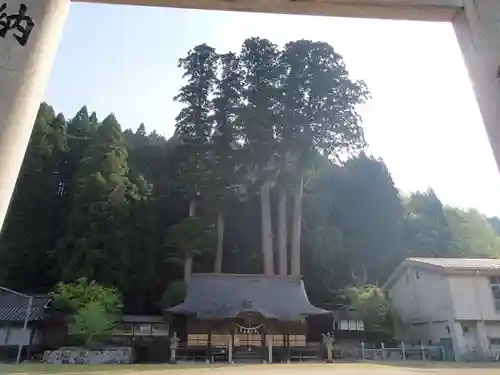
(249,354)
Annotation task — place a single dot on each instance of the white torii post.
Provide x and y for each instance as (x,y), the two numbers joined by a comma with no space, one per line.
(30,31)
(24,69)
(477,28)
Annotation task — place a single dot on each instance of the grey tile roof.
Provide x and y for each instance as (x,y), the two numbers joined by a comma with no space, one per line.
(13,308)
(459,263)
(444,265)
(220,296)
(142,319)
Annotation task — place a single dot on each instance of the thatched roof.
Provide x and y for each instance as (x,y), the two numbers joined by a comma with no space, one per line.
(222,296)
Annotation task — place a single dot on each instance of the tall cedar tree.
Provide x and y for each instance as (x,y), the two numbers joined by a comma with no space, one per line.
(319,115)
(96,237)
(257,121)
(194,126)
(223,180)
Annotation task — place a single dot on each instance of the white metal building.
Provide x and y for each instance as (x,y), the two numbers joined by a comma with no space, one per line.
(453,302)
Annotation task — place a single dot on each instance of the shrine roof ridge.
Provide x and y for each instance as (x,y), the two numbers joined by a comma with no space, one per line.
(224,296)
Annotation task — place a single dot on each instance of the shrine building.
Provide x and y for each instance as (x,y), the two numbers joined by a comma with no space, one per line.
(241,317)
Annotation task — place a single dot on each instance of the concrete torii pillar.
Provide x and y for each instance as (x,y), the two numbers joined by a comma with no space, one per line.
(30,31)
(25,67)
(477,28)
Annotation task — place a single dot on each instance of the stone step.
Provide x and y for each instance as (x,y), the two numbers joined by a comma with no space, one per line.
(242,354)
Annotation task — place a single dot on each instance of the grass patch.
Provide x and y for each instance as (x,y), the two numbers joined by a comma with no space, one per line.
(301,368)
(438,365)
(42,369)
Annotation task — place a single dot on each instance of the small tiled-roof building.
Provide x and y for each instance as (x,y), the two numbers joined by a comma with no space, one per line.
(13,310)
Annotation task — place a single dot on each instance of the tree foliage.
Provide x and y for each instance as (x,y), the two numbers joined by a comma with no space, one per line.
(185,241)
(91,324)
(174,295)
(71,297)
(268,149)
(376,310)
(93,309)
(472,233)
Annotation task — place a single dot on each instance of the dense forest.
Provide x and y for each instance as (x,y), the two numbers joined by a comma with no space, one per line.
(265,173)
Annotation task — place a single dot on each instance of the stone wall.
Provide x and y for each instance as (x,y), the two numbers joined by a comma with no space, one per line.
(123,355)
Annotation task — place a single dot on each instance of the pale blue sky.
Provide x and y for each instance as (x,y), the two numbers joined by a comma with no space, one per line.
(423,119)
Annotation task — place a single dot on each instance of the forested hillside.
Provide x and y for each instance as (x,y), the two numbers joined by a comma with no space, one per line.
(266,167)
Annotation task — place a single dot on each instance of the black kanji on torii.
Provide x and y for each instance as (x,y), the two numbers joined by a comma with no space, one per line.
(20,23)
